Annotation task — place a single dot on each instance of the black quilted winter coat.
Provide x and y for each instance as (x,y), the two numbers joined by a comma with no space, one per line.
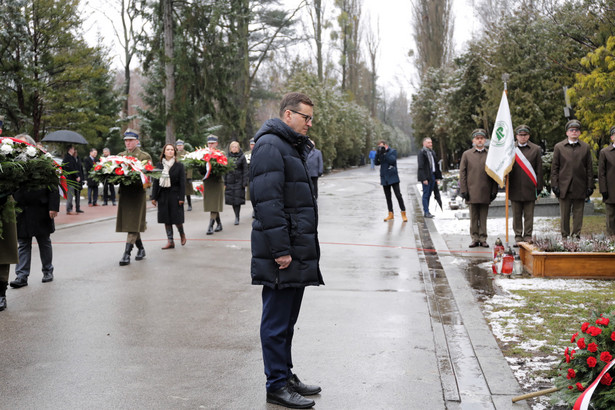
(286,215)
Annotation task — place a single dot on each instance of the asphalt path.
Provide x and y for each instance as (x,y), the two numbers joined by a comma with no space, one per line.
(180,329)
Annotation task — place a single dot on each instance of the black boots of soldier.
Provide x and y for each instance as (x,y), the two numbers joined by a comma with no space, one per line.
(126,256)
(140,250)
(210,229)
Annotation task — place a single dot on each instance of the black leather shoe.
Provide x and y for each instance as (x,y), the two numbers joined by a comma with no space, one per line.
(303,389)
(19,283)
(474,244)
(288,398)
(484,244)
(47,277)
(2,302)
(210,230)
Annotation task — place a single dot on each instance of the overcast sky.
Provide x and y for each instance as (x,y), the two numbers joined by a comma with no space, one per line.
(395,69)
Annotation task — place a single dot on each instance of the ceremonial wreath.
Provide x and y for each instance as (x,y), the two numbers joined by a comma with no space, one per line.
(585,376)
(209,162)
(126,170)
(24,166)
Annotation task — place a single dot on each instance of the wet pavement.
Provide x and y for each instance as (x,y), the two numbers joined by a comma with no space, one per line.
(397,325)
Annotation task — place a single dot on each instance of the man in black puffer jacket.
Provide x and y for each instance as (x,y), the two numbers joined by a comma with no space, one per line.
(285,250)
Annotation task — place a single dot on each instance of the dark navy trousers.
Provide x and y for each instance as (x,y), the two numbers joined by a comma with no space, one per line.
(280,312)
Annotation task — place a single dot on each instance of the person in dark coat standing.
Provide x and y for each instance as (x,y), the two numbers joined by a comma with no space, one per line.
(213,194)
(285,249)
(522,189)
(132,207)
(74,173)
(428,172)
(236,181)
(315,167)
(389,178)
(38,210)
(572,178)
(168,194)
(108,189)
(88,164)
(606,181)
(477,187)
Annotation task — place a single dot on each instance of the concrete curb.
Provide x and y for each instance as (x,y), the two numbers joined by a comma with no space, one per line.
(499,377)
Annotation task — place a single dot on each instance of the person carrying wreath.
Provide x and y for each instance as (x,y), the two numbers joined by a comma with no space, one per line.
(213,193)
(131,208)
(168,194)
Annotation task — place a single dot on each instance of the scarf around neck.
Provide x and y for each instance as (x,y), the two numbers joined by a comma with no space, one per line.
(165,180)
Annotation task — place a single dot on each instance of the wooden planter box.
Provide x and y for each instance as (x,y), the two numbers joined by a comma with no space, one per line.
(587,265)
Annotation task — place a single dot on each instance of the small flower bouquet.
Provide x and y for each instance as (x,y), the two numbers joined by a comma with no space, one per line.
(199,189)
(593,243)
(586,368)
(117,169)
(209,162)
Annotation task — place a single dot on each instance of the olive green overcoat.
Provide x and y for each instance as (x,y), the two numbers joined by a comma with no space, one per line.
(8,243)
(132,207)
(213,194)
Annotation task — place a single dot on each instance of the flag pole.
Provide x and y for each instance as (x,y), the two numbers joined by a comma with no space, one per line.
(505,77)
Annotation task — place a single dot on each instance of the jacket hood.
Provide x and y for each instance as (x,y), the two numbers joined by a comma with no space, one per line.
(278,127)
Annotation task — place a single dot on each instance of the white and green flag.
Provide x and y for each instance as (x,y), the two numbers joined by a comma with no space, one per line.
(501,155)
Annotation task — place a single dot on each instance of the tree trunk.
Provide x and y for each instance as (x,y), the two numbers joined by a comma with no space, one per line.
(169,90)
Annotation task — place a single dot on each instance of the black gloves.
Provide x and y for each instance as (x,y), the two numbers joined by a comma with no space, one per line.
(464,195)
(605,196)
(492,196)
(556,191)
(590,191)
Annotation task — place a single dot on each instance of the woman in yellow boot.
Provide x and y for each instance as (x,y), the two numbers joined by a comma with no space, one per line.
(386,157)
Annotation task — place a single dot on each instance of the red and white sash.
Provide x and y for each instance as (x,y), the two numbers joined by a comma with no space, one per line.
(525,165)
(582,402)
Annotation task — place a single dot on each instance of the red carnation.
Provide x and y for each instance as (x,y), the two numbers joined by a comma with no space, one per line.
(613,336)
(222,161)
(580,387)
(594,331)
(574,337)
(119,171)
(606,379)
(592,347)
(606,357)
(603,321)
(581,343)
(591,361)
(571,374)
(149,167)
(97,167)
(570,387)
(207,157)
(584,327)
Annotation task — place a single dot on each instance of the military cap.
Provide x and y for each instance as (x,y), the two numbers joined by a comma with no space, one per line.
(252,141)
(573,124)
(479,131)
(212,138)
(130,134)
(179,142)
(522,128)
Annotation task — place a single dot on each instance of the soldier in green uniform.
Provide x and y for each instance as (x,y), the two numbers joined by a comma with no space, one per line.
(181,153)
(131,209)
(8,251)
(213,194)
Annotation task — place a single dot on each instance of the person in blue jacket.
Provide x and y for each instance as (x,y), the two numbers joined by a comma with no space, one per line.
(389,178)
(285,249)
